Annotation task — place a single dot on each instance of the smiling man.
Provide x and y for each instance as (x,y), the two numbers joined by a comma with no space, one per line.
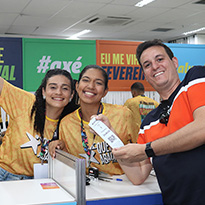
(173,134)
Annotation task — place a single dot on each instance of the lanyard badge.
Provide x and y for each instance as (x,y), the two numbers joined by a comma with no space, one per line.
(44,150)
(84,135)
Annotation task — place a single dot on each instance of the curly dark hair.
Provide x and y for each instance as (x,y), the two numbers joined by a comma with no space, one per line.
(39,106)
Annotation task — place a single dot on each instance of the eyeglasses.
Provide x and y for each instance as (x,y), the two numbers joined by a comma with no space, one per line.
(164,115)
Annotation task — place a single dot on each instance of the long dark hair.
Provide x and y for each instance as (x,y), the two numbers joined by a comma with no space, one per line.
(39,106)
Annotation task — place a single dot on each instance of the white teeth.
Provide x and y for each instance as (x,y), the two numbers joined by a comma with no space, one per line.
(88,93)
(158,74)
(58,98)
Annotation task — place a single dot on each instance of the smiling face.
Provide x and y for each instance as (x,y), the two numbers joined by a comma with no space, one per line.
(91,87)
(57,92)
(160,71)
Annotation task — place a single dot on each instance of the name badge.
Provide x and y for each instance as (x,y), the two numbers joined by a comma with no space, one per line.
(40,171)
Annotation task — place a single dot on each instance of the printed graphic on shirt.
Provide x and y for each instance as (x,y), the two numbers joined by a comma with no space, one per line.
(103,150)
(145,108)
(33,143)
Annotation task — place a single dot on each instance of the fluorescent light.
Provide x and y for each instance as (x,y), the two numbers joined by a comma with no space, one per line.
(143,3)
(194,31)
(75,36)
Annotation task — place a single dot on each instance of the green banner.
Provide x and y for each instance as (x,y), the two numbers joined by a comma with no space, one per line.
(41,55)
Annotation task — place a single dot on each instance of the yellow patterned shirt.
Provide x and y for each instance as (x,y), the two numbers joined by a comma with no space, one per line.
(21,144)
(140,106)
(101,157)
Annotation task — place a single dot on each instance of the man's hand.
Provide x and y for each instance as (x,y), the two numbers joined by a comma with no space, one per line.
(130,153)
(56,144)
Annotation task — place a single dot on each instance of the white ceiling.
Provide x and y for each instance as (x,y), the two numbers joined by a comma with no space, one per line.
(116,19)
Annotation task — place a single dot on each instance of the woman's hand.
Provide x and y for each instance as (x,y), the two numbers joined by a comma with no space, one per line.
(103,118)
(56,144)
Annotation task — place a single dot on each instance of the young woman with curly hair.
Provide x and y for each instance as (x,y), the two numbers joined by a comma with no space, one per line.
(32,122)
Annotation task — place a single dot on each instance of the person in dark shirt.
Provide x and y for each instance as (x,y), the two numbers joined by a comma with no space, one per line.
(173,134)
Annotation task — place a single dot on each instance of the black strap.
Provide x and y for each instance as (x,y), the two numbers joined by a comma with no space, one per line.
(56,132)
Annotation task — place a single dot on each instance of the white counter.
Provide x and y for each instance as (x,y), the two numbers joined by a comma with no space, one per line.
(101,190)
(27,192)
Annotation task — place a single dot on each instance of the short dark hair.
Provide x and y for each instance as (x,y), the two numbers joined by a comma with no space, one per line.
(147,44)
(137,86)
(104,73)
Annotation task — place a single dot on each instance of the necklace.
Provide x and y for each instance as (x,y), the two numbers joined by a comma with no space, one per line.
(83,133)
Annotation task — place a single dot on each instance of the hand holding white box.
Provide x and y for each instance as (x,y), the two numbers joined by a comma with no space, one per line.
(105,133)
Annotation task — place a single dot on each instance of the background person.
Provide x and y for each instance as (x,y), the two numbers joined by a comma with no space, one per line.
(75,135)
(174,133)
(32,122)
(140,104)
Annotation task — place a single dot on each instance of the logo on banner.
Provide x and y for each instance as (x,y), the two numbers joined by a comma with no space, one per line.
(126,66)
(47,64)
(7,71)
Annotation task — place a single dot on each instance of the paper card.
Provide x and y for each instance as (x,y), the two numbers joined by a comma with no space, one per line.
(50,185)
(40,171)
(103,131)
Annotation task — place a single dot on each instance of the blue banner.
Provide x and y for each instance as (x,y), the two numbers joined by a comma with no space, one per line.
(188,55)
(11,60)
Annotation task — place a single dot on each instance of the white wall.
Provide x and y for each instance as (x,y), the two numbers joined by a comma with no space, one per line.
(194,39)
(119,97)
(200,39)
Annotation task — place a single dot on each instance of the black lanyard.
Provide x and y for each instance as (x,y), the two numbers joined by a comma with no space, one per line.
(56,132)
